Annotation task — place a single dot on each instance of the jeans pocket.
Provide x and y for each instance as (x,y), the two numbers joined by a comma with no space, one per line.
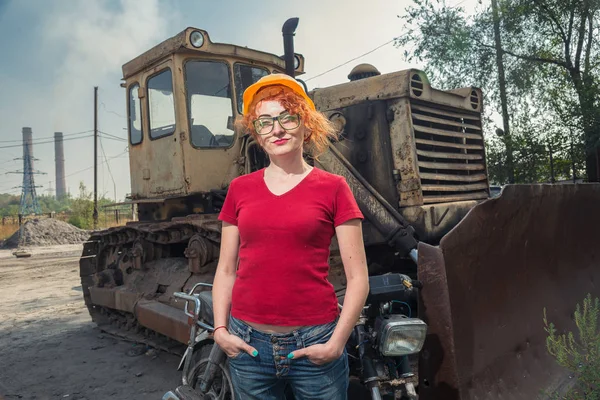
(244,337)
(237,356)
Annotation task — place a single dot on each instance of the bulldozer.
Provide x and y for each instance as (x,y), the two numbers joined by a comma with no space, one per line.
(414,158)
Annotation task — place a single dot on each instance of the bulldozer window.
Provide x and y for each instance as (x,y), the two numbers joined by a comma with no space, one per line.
(208,91)
(161,104)
(135,115)
(245,75)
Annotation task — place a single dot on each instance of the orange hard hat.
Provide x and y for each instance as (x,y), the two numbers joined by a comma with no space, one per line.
(273,80)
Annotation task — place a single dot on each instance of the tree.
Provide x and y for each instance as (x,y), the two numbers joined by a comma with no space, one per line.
(82,209)
(551,60)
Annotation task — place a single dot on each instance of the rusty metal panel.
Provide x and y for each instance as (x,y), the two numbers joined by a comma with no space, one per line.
(455,197)
(382,87)
(441,132)
(448,177)
(164,319)
(431,222)
(449,122)
(411,83)
(450,145)
(153,55)
(534,247)
(181,42)
(438,375)
(103,296)
(374,211)
(365,143)
(469,98)
(116,298)
(451,142)
(459,167)
(156,165)
(405,153)
(219,165)
(455,156)
(454,188)
(125,300)
(439,111)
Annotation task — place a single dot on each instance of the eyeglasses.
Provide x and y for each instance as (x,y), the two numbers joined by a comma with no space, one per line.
(264,125)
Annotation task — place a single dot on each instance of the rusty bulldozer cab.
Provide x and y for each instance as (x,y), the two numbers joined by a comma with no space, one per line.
(414,157)
(183,97)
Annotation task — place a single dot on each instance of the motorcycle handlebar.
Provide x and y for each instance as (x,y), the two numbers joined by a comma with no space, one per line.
(193,299)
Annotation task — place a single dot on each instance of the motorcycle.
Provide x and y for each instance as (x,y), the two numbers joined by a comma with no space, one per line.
(380,347)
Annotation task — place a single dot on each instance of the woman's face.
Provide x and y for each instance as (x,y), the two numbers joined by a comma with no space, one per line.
(279,141)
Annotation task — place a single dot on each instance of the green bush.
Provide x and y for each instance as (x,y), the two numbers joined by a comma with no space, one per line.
(82,209)
(581,356)
(78,221)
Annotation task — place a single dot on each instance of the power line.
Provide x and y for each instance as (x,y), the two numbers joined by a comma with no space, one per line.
(113,136)
(101,91)
(110,111)
(44,137)
(109,171)
(84,169)
(46,142)
(354,59)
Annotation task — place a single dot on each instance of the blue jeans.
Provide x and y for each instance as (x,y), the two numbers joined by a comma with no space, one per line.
(265,376)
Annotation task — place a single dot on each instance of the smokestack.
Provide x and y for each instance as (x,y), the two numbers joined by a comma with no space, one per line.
(59,158)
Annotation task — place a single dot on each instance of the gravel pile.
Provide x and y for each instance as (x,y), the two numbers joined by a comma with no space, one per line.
(45,232)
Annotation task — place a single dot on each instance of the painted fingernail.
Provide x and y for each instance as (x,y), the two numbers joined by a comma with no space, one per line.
(254,353)
(291,355)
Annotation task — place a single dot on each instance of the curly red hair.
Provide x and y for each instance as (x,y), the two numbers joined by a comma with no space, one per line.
(321,130)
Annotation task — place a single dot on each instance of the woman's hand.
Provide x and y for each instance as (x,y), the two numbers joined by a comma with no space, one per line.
(319,353)
(233,345)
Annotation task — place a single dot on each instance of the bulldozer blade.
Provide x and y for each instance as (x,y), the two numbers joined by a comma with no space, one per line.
(485,288)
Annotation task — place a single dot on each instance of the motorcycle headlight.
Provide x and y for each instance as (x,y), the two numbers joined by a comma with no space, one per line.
(400,336)
(170,396)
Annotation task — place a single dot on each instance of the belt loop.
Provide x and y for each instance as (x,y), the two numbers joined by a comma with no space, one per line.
(299,343)
(247,333)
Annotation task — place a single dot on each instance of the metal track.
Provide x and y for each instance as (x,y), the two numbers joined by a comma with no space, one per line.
(116,326)
(146,263)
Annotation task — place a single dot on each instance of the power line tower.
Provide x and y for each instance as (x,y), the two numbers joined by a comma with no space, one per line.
(29,201)
(50,189)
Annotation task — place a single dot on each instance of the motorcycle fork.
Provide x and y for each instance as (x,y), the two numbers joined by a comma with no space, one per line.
(370,376)
(189,354)
(216,358)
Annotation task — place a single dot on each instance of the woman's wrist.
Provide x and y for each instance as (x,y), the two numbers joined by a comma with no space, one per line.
(335,347)
(220,333)
(219,327)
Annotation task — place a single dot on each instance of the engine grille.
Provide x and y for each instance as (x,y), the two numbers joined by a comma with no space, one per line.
(450,154)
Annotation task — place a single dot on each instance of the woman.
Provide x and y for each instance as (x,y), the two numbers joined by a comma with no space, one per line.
(276,314)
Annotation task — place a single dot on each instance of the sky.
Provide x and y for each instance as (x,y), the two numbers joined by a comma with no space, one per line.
(55,51)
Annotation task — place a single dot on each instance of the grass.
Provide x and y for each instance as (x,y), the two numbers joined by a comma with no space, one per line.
(579,351)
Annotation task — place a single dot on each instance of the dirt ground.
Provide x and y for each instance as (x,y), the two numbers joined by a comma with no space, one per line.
(50,349)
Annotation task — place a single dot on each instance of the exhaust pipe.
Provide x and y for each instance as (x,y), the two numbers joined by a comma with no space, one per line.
(288,30)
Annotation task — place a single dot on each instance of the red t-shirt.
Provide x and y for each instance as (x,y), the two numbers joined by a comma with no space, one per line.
(284,247)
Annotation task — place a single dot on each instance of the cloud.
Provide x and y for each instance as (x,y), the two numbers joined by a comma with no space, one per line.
(81,44)
(98,38)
